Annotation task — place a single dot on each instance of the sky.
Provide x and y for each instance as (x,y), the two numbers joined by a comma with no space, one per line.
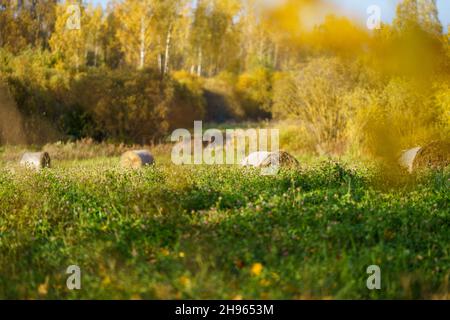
(357,9)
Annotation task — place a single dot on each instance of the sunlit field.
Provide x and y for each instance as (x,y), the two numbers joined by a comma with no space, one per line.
(171,232)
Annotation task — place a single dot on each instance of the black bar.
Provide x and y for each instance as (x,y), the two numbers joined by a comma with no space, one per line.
(227,309)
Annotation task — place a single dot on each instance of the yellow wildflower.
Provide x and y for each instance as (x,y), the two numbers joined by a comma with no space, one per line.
(256,269)
(185,281)
(43,288)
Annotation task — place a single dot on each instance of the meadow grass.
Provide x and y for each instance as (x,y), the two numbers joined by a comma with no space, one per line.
(215,232)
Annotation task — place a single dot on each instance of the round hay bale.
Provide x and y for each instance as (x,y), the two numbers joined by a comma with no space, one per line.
(406,160)
(35,160)
(136,159)
(255,159)
(263,159)
(435,155)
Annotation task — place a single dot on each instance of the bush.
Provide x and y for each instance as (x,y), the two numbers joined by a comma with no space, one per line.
(295,138)
(126,105)
(254,90)
(443,101)
(187,103)
(222,103)
(401,115)
(313,95)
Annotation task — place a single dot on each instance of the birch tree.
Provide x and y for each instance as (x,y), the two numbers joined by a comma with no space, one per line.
(136,31)
(69,42)
(168,19)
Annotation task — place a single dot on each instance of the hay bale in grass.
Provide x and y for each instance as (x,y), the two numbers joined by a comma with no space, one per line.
(407,158)
(136,159)
(35,160)
(435,155)
(263,159)
(255,159)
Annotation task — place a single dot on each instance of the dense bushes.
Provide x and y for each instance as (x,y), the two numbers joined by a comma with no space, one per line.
(125,105)
(254,91)
(337,105)
(188,102)
(401,115)
(11,128)
(247,96)
(222,103)
(138,106)
(314,94)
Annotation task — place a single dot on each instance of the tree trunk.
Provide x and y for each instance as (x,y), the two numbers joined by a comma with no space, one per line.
(167,53)
(160,57)
(199,66)
(275,58)
(142,48)
(160,63)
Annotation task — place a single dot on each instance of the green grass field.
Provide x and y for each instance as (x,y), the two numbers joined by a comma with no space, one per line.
(222,232)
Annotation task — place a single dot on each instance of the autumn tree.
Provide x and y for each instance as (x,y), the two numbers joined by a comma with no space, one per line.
(16,26)
(418,13)
(91,31)
(67,41)
(168,16)
(136,31)
(416,44)
(214,36)
(110,44)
